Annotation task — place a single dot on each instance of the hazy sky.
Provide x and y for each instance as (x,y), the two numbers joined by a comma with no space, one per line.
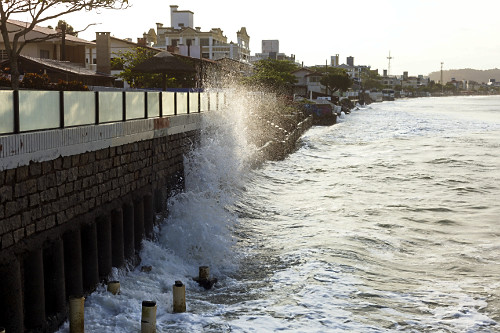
(420,34)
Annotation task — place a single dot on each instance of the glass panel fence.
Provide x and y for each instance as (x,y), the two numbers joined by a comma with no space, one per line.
(182,102)
(213,101)
(221,100)
(167,103)
(153,104)
(193,102)
(204,101)
(6,111)
(79,108)
(110,106)
(38,110)
(135,105)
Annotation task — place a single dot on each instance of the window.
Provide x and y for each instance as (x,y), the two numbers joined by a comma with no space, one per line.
(3,55)
(44,54)
(204,42)
(205,55)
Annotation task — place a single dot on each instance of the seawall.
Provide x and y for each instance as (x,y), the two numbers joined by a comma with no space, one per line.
(66,221)
(75,202)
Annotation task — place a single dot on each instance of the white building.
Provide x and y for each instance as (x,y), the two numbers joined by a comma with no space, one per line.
(184,38)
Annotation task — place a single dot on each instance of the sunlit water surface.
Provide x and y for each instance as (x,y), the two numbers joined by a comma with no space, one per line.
(388,221)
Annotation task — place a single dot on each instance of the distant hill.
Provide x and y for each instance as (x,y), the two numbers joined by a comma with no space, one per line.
(479,76)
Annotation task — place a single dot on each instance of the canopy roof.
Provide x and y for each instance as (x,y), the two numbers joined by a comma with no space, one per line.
(164,62)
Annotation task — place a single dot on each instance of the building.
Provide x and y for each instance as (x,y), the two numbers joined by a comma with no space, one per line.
(271,50)
(308,83)
(44,53)
(49,45)
(392,82)
(335,60)
(270,46)
(414,82)
(112,46)
(182,36)
(493,83)
(353,71)
(350,61)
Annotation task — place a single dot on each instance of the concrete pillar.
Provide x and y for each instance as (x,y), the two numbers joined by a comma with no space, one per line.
(128,231)
(158,201)
(104,248)
(55,287)
(148,216)
(90,265)
(73,263)
(138,223)
(11,305)
(34,291)
(117,238)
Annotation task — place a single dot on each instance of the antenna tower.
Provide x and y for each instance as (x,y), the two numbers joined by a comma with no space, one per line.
(389,66)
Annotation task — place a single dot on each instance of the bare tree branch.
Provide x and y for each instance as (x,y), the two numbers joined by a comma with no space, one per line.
(41,11)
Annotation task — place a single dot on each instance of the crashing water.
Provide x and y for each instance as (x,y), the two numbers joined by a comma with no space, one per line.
(385,222)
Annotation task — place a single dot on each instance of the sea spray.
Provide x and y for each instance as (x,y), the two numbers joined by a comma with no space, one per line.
(199,228)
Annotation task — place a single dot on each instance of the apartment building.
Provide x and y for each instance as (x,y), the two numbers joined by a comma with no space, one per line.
(184,38)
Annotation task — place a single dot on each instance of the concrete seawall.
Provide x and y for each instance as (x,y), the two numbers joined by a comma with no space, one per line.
(76,202)
(65,221)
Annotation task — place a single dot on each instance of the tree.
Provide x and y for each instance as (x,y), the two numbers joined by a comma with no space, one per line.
(40,11)
(273,74)
(127,61)
(62,25)
(336,79)
(371,80)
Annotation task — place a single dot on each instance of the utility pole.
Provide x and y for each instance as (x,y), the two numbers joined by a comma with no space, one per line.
(442,84)
(389,66)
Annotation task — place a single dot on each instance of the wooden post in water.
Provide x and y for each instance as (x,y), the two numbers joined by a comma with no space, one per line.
(179,297)
(114,287)
(148,318)
(76,314)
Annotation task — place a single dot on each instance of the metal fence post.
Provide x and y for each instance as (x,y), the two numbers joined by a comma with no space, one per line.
(175,104)
(160,104)
(124,105)
(17,125)
(61,109)
(97,108)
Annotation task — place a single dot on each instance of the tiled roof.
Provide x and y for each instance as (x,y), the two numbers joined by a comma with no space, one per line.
(64,66)
(48,32)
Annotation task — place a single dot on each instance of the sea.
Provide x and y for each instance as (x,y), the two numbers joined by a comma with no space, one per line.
(388,221)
